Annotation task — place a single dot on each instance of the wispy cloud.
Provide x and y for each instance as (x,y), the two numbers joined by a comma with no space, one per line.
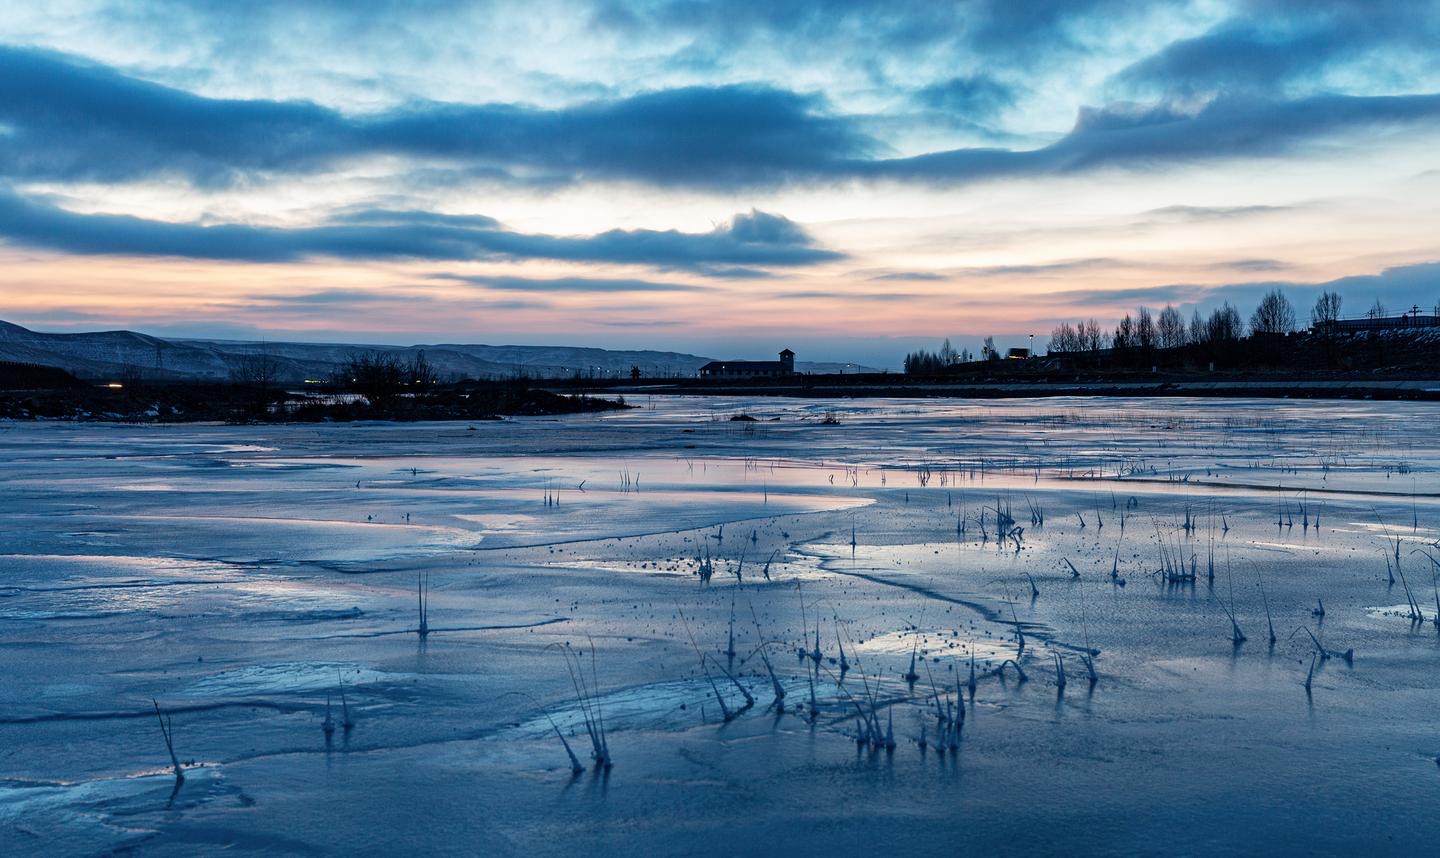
(600,285)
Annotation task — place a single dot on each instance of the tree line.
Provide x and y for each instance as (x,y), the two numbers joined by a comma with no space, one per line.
(1216,336)
(1168,329)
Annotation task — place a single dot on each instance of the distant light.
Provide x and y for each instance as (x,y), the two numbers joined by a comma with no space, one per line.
(114,385)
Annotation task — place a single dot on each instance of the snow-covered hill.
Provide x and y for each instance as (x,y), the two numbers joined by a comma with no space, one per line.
(103,354)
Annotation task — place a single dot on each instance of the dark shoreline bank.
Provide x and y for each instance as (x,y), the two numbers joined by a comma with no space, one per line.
(808,387)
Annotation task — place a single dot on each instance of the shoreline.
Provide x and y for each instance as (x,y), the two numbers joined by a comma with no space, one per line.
(1414,389)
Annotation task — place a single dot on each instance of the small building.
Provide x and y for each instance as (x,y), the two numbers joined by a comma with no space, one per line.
(1018,354)
(1413,319)
(750,368)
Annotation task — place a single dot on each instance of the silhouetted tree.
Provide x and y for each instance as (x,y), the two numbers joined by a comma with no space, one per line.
(1377,310)
(1198,332)
(257,369)
(1274,315)
(947,353)
(1170,328)
(1326,310)
(1144,329)
(1224,326)
(921,362)
(382,376)
(1124,337)
(1064,339)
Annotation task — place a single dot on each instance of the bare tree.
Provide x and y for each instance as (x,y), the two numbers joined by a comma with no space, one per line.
(1124,337)
(383,376)
(1327,309)
(1224,325)
(948,355)
(1170,328)
(1377,310)
(1274,315)
(1144,328)
(257,369)
(1092,338)
(1065,339)
(420,373)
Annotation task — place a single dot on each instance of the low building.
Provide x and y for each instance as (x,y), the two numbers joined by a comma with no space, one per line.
(750,368)
(1018,354)
(1413,319)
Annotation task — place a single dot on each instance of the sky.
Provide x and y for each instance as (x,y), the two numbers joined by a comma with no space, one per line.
(848,179)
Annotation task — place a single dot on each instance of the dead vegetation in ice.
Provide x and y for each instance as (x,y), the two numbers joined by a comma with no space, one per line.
(912,581)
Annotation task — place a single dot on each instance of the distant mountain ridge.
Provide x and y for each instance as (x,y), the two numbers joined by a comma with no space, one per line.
(110,354)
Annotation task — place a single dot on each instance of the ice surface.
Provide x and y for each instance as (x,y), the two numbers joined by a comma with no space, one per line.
(243,576)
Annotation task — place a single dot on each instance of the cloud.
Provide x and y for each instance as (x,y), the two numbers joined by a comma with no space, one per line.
(909,276)
(341,297)
(739,273)
(863,28)
(1195,214)
(568,284)
(1066,266)
(643,324)
(971,97)
(74,121)
(1098,263)
(71,121)
(1271,46)
(748,239)
(81,121)
(756,238)
(330,303)
(1175,293)
(1398,287)
(826,294)
(1146,136)
(1248,265)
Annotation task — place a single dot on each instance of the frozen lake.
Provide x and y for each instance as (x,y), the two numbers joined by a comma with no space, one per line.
(243,576)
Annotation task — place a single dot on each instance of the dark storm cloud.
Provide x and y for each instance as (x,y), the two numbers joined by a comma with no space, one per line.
(756,238)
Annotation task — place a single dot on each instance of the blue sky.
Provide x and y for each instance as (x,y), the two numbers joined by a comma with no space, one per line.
(850,179)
